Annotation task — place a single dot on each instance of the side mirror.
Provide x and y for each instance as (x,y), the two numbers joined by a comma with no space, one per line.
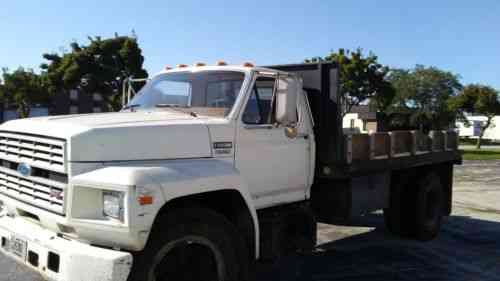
(286,100)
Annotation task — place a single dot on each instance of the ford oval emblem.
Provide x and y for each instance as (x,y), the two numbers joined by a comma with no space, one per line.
(24,169)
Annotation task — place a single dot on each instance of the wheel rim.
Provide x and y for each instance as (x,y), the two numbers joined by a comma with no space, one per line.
(188,259)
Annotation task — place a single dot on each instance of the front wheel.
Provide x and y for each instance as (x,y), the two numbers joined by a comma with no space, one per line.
(193,244)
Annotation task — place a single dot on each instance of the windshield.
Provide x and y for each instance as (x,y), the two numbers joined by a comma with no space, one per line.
(199,93)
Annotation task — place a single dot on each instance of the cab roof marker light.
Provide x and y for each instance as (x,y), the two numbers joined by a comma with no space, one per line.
(199,64)
(181,65)
(221,63)
(168,67)
(248,64)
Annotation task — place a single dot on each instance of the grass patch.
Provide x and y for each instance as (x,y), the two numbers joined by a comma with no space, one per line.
(483,154)
(469,141)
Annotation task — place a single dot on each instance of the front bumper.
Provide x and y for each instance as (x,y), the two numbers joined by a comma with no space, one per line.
(57,258)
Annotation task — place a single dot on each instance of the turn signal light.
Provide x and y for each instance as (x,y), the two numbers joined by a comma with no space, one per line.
(145,200)
(248,64)
(221,63)
(181,65)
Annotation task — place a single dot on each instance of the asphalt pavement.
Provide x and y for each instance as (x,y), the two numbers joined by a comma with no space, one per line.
(467,249)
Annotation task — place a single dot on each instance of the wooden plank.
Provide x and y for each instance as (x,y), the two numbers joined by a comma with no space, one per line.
(401,143)
(451,140)
(438,142)
(359,147)
(380,145)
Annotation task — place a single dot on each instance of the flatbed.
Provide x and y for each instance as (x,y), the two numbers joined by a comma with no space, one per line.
(343,156)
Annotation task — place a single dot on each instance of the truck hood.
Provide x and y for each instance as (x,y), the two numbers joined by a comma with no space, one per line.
(123,136)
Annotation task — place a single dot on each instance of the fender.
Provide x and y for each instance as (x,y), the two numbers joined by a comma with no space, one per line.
(165,181)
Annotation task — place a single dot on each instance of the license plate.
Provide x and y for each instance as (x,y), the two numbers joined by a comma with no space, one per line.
(18,247)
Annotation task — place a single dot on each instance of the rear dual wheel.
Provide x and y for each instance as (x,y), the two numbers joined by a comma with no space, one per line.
(429,208)
(415,207)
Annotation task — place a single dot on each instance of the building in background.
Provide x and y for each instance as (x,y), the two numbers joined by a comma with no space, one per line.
(362,120)
(473,131)
(74,102)
(10,113)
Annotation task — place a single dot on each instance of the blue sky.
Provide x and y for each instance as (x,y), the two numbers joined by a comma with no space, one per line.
(457,35)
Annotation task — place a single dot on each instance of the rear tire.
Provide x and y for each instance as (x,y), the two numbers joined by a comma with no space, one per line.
(192,244)
(429,208)
(398,216)
(416,209)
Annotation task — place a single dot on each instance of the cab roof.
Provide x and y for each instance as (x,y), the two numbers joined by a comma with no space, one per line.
(240,68)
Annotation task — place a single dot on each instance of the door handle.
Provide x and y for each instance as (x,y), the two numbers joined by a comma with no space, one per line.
(258,127)
(304,136)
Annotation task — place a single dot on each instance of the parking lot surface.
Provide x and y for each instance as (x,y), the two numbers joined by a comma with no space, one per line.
(468,247)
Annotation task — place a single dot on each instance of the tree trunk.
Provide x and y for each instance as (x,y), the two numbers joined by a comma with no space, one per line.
(24,110)
(482,131)
(479,139)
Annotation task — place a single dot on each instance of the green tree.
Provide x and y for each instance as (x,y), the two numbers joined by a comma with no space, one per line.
(422,94)
(99,67)
(1,91)
(361,79)
(477,99)
(23,88)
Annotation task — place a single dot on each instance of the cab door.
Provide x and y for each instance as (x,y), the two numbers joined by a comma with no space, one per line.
(275,167)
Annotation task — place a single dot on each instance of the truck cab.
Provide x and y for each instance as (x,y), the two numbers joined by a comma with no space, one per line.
(213,166)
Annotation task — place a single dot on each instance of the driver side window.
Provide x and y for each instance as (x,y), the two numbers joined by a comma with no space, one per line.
(258,110)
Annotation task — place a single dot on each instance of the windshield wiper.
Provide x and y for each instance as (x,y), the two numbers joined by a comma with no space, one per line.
(170,105)
(175,106)
(131,106)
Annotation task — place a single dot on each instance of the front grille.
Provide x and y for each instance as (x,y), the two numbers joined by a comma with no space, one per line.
(37,172)
(36,191)
(45,153)
(46,185)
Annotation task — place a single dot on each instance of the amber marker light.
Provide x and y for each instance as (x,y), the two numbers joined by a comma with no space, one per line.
(221,63)
(145,200)
(248,64)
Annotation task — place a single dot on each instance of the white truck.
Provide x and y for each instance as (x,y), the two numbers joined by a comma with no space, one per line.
(207,170)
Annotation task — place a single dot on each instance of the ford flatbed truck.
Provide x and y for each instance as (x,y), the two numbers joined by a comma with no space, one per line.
(206,171)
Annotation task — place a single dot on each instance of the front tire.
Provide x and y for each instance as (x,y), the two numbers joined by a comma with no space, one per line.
(192,244)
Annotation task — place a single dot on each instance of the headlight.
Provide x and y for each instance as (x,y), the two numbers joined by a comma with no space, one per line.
(112,202)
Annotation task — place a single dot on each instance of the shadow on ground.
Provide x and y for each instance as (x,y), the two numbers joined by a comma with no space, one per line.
(467,249)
